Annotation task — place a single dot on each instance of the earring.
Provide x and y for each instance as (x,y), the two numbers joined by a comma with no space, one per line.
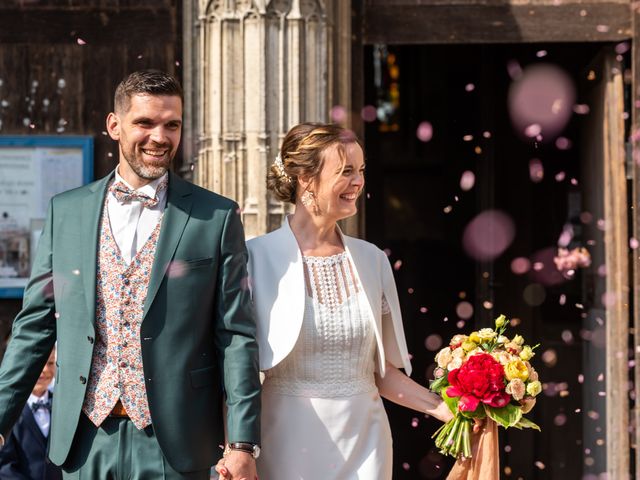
(308,198)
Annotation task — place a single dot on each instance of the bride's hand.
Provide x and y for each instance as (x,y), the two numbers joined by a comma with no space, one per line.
(442,412)
(222,470)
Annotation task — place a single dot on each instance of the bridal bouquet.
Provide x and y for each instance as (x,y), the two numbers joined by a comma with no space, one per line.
(484,374)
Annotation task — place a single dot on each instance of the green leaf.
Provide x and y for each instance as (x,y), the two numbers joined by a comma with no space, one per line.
(507,416)
(526,423)
(438,384)
(479,412)
(452,402)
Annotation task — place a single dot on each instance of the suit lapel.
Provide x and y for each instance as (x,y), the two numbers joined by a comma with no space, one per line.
(174,221)
(91,211)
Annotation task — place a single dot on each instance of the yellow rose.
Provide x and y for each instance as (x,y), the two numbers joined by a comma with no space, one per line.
(527,353)
(516,369)
(468,346)
(534,388)
(474,337)
(500,321)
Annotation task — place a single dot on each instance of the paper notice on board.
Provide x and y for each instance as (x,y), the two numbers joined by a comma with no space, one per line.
(29,177)
(60,170)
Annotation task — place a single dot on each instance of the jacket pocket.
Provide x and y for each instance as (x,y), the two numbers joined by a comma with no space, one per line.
(198,262)
(202,377)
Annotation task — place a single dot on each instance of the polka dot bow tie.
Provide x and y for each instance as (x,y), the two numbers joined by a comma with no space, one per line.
(125,195)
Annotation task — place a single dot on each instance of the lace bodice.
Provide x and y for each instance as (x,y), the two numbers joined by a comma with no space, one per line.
(335,351)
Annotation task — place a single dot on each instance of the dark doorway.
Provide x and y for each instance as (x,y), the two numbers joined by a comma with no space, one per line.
(435,112)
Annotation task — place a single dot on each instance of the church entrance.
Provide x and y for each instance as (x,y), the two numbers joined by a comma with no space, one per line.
(496,180)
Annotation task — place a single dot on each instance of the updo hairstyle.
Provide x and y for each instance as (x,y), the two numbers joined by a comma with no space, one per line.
(301,156)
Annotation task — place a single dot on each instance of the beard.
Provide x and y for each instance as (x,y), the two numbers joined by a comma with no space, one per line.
(145,170)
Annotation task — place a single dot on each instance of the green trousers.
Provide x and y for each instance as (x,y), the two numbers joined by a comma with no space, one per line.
(117,450)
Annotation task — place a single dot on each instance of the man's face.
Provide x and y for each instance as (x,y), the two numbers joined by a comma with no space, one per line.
(148,135)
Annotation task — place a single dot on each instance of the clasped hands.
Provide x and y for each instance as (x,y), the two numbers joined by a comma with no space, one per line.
(237,465)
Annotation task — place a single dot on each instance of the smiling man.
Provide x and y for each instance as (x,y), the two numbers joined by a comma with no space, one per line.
(144,353)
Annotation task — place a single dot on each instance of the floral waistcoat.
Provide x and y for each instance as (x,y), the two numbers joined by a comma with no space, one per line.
(116,367)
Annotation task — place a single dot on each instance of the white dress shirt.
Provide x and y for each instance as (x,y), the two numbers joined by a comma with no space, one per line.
(131,222)
(42,415)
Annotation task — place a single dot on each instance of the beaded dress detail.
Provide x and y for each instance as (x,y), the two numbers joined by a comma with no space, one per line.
(335,352)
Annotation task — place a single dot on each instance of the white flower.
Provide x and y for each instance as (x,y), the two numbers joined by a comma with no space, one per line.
(458,339)
(487,334)
(455,363)
(458,353)
(502,339)
(444,357)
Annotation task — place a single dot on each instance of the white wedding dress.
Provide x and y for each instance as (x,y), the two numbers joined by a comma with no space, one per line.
(322,416)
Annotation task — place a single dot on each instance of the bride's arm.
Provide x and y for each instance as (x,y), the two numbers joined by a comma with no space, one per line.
(398,388)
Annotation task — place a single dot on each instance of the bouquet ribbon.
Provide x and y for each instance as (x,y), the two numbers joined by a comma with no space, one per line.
(485,461)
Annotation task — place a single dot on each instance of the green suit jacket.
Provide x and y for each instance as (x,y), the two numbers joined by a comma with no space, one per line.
(197,334)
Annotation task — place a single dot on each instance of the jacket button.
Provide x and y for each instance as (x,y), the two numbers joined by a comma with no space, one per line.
(83,380)
(90,339)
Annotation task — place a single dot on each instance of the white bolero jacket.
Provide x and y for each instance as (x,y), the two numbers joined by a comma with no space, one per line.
(278,289)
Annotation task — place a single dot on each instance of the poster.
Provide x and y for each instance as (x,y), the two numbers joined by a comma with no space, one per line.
(32,170)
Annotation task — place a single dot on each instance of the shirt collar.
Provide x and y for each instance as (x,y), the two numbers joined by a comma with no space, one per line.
(34,398)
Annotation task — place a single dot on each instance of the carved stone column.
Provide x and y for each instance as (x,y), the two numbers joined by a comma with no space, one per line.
(259,67)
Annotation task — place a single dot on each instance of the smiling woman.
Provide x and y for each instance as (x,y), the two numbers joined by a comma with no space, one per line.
(329,324)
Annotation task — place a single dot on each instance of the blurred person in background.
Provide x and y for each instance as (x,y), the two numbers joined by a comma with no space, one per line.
(24,455)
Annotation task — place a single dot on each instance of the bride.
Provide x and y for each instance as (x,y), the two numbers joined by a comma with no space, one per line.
(329,325)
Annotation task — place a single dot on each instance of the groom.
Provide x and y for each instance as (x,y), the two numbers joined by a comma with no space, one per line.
(141,279)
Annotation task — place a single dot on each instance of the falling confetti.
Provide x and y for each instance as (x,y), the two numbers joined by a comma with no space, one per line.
(464,310)
(338,114)
(540,100)
(467,180)
(520,265)
(488,235)
(424,131)
(536,170)
(369,113)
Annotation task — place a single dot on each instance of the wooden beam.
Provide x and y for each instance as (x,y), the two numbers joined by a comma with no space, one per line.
(635,223)
(616,239)
(93,26)
(397,23)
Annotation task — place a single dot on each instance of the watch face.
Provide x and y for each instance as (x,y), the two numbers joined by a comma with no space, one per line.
(256,451)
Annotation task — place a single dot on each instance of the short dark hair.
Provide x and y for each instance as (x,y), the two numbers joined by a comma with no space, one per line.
(145,82)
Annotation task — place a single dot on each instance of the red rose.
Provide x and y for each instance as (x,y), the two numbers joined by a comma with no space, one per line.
(479,379)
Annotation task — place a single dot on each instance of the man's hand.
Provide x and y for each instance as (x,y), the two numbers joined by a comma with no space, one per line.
(237,465)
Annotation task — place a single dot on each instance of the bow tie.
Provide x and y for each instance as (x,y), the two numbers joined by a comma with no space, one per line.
(44,404)
(124,194)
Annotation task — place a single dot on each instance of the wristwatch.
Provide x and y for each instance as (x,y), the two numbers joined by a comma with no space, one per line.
(250,448)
